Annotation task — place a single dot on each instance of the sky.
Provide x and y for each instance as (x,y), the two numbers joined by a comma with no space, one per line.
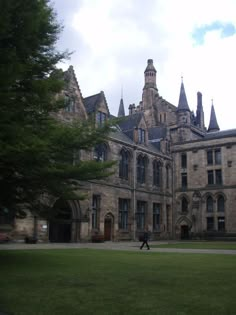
(112,40)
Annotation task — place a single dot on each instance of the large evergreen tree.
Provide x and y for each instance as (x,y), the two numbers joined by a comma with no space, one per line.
(36,151)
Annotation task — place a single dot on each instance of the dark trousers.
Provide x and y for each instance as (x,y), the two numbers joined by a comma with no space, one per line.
(145,242)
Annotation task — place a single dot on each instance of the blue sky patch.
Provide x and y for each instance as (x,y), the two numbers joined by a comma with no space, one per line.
(227,29)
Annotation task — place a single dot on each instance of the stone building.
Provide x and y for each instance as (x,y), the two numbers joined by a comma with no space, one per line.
(174,175)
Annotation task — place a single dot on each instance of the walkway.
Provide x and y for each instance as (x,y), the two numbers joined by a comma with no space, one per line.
(129,246)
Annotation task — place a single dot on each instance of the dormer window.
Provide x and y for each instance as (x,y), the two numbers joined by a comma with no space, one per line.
(100,118)
(141,135)
(69,104)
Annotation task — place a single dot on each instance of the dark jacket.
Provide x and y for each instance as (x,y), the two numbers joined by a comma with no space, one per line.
(145,236)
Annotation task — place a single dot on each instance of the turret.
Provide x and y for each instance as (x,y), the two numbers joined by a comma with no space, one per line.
(150,88)
(213,125)
(183,110)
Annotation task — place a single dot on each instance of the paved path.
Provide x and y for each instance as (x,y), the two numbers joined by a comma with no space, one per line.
(129,246)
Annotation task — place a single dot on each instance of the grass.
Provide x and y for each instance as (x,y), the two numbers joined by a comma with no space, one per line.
(199,245)
(102,282)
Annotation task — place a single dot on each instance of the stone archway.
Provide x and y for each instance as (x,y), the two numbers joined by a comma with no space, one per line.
(183,227)
(64,226)
(108,227)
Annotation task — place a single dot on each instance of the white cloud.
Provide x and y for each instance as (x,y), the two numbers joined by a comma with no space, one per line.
(115,39)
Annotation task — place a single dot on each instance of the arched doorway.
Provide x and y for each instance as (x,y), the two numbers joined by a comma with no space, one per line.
(60,225)
(183,228)
(108,227)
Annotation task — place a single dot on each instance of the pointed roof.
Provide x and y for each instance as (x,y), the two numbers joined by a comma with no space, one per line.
(183,103)
(150,66)
(92,102)
(121,112)
(213,125)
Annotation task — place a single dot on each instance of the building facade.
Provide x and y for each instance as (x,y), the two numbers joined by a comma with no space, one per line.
(174,176)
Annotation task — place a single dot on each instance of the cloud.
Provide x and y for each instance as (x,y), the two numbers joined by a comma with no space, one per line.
(112,41)
(226,30)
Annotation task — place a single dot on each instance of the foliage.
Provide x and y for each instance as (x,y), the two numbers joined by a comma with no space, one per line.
(36,151)
(72,281)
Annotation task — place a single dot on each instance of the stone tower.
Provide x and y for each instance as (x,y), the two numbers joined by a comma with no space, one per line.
(150,88)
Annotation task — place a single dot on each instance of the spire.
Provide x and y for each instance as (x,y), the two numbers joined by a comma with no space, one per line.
(183,103)
(121,112)
(213,125)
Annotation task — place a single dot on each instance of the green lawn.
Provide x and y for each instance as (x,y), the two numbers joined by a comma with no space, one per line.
(100,282)
(199,245)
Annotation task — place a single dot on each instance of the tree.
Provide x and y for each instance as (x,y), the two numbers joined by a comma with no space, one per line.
(36,150)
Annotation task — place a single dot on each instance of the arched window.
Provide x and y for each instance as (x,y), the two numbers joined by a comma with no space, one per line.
(209,204)
(124,164)
(157,173)
(141,169)
(100,152)
(184,205)
(220,204)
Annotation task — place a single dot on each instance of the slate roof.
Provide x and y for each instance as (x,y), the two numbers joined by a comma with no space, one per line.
(220,134)
(91,102)
(183,103)
(156,133)
(130,122)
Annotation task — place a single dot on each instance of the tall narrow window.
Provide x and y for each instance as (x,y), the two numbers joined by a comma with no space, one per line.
(156,216)
(100,118)
(210,176)
(184,160)
(184,205)
(69,104)
(167,176)
(100,152)
(210,224)
(209,204)
(210,157)
(217,156)
(141,209)
(124,165)
(141,135)
(156,173)
(141,165)
(95,211)
(123,213)
(218,175)
(220,204)
(184,180)
(221,223)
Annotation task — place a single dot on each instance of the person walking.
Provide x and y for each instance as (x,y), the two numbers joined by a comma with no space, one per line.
(145,239)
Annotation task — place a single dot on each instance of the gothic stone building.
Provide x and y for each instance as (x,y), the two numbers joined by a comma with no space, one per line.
(174,176)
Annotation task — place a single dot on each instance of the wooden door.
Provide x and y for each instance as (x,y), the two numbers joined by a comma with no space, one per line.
(107,229)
